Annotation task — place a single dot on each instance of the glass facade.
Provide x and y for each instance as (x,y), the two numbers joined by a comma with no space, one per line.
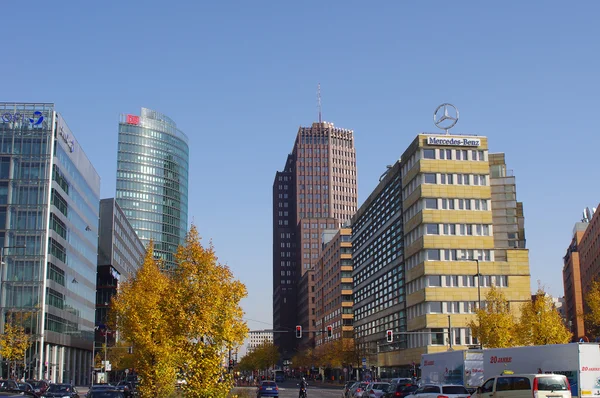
(152,180)
(49,207)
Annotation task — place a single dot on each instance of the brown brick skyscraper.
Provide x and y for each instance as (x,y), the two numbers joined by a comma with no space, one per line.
(316,190)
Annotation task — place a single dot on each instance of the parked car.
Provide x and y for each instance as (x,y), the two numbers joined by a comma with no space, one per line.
(8,385)
(400,390)
(358,390)
(26,387)
(16,394)
(376,390)
(435,390)
(348,387)
(39,386)
(525,386)
(62,390)
(127,388)
(107,393)
(267,388)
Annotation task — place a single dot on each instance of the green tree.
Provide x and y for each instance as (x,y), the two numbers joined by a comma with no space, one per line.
(540,322)
(142,313)
(494,325)
(207,317)
(14,342)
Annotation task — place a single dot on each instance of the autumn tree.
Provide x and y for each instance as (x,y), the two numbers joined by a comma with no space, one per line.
(142,312)
(591,315)
(540,322)
(14,342)
(207,317)
(120,357)
(304,359)
(494,325)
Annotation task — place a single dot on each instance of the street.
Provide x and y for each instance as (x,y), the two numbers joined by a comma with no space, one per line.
(289,389)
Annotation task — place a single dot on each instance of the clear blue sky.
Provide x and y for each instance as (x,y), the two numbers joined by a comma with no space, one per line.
(240,77)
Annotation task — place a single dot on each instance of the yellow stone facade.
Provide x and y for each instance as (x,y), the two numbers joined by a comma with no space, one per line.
(510,264)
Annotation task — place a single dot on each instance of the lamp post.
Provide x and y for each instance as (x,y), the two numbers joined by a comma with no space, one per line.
(2,290)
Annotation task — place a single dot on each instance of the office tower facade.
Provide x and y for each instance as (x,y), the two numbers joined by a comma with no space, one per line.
(450,255)
(256,338)
(49,200)
(572,280)
(315,191)
(449,242)
(378,273)
(152,180)
(333,286)
(120,254)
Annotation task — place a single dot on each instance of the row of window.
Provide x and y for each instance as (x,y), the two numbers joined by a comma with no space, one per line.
(446,204)
(449,255)
(456,281)
(444,178)
(448,230)
(460,336)
(454,154)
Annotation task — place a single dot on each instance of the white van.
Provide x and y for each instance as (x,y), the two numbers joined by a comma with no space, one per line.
(525,386)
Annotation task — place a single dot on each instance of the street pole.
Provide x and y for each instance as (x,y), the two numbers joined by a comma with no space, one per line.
(105,353)
(450,334)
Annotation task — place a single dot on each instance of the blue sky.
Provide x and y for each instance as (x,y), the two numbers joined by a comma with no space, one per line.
(240,77)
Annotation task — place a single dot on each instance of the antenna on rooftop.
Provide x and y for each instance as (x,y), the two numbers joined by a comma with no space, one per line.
(319,100)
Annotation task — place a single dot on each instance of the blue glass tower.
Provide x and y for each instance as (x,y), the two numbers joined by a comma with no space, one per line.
(152,180)
(49,207)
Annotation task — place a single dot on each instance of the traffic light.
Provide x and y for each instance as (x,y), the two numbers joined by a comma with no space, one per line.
(298,332)
(390,336)
(329,331)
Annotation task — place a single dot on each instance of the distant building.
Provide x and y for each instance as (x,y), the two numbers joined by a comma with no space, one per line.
(581,267)
(120,254)
(152,180)
(256,338)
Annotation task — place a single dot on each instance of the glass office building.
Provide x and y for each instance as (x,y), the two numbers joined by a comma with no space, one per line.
(152,180)
(49,207)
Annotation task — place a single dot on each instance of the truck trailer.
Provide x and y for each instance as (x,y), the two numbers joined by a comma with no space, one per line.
(464,367)
(580,362)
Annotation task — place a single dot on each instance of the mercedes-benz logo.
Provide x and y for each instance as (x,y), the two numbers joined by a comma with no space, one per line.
(445,116)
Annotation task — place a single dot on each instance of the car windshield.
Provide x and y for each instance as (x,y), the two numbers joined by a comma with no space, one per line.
(380,386)
(35,384)
(107,394)
(59,388)
(269,384)
(454,390)
(552,383)
(408,388)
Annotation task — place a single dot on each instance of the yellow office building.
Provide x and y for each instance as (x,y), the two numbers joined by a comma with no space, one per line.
(453,199)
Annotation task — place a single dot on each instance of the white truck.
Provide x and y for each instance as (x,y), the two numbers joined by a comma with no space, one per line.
(463,367)
(579,362)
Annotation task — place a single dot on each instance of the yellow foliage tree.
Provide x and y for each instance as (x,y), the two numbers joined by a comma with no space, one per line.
(541,323)
(304,359)
(592,313)
(14,342)
(141,311)
(494,325)
(207,317)
(119,356)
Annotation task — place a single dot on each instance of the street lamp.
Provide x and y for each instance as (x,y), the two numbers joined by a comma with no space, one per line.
(478,275)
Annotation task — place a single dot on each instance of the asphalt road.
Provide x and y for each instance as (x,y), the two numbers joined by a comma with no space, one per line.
(289,389)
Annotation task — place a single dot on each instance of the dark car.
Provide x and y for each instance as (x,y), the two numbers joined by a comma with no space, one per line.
(99,387)
(8,385)
(267,389)
(61,391)
(20,394)
(106,393)
(39,386)
(127,388)
(400,390)
(26,387)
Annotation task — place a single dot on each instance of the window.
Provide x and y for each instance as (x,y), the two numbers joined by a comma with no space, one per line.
(437,336)
(433,229)
(446,154)
(435,280)
(433,255)
(431,203)
(429,178)
(429,153)
(488,386)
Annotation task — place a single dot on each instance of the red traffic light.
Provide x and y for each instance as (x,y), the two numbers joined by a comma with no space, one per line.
(298,331)
(390,336)
(329,331)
